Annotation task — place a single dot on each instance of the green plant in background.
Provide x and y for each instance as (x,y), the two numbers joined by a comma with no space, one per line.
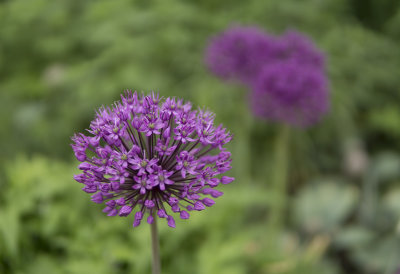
(287,78)
(43,231)
(360,223)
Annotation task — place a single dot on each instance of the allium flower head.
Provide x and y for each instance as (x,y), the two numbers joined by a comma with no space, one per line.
(286,73)
(293,45)
(291,93)
(154,157)
(239,52)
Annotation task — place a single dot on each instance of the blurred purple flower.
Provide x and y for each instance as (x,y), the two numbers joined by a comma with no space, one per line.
(239,52)
(286,73)
(290,92)
(150,157)
(297,47)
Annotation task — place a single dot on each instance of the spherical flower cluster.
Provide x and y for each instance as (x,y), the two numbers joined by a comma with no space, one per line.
(295,47)
(286,74)
(149,156)
(235,53)
(288,92)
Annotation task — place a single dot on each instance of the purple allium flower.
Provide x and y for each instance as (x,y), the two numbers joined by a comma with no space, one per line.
(292,93)
(149,156)
(295,46)
(239,52)
(286,73)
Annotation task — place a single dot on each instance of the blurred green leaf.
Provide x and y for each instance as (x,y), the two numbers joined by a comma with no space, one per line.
(354,237)
(385,166)
(324,205)
(392,201)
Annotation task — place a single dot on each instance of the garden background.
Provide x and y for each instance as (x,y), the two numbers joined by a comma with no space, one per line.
(61,60)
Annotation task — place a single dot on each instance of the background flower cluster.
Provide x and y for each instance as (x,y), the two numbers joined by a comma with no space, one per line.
(286,74)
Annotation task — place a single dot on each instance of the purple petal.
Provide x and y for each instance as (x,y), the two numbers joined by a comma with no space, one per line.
(171,221)
(226,180)
(125,210)
(199,206)
(184,214)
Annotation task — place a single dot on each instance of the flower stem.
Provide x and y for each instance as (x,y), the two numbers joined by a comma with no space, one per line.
(279,179)
(155,246)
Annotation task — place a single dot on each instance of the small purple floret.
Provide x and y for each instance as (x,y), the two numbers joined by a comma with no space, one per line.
(184,214)
(171,221)
(125,210)
(226,180)
(154,157)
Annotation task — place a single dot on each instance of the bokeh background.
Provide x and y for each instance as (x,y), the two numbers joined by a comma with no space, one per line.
(60,60)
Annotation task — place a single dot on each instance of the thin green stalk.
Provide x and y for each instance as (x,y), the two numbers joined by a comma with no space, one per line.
(279,178)
(155,247)
(242,135)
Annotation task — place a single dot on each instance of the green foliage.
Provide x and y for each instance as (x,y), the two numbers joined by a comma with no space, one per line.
(324,206)
(48,223)
(367,232)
